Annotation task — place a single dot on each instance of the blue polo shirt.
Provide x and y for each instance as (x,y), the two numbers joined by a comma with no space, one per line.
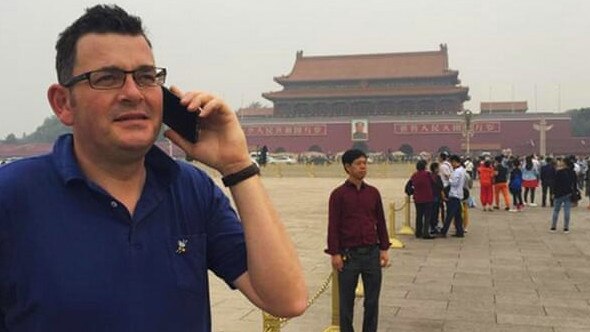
(72,258)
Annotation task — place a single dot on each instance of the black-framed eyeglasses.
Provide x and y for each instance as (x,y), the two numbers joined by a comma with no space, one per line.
(114,78)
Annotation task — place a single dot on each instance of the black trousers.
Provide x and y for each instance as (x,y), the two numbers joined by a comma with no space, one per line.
(546,189)
(364,261)
(454,207)
(516,197)
(423,214)
(435,212)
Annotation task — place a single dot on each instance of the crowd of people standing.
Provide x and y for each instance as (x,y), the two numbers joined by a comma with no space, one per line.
(439,193)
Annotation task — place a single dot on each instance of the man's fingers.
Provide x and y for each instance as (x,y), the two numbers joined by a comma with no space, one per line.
(178,140)
(176,90)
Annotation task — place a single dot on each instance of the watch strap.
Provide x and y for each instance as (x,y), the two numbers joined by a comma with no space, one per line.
(246,173)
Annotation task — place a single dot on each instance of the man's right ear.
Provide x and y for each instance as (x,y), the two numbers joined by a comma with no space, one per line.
(59,99)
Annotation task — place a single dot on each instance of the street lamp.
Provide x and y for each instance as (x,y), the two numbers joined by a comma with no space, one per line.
(467,130)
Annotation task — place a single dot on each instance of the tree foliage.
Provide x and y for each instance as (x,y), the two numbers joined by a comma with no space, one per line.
(47,132)
(580,121)
(407,149)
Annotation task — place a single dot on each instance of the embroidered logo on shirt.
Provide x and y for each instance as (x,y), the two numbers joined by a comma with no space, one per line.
(181,248)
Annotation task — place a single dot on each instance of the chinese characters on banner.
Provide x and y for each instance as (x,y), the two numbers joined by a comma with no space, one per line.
(286,130)
(399,129)
(445,128)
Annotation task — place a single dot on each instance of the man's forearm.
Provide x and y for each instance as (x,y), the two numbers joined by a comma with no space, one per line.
(273,265)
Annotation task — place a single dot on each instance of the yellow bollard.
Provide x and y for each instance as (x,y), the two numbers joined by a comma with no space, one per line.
(406,228)
(335,327)
(270,323)
(360,289)
(395,242)
(465,215)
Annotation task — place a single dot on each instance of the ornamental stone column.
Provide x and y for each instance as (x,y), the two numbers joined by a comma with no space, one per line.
(542,127)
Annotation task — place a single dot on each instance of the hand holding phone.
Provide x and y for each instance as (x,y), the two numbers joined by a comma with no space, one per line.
(179,118)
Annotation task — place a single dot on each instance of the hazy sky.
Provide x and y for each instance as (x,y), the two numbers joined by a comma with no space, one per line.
(503,49)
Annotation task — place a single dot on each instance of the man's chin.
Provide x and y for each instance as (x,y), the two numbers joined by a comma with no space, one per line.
(137,144)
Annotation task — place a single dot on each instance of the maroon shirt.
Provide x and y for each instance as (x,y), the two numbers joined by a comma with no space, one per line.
(422,182)
(356,218)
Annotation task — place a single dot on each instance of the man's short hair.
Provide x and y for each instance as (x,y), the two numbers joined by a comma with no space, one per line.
(100,19)
(433,166)
(444,155)
(421,165)
(455,158)
(351,155)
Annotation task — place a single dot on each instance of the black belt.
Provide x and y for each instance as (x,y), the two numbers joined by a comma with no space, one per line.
(361,249)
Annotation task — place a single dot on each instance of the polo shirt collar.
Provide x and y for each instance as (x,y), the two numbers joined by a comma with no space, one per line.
(69,170)
(350,184)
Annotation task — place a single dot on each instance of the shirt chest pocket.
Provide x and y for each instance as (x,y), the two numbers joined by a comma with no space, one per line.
(189,262)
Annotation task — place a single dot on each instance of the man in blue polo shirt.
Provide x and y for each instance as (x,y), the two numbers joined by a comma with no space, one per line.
(107,233)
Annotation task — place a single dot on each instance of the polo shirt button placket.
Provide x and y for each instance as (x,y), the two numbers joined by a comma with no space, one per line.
(114,204)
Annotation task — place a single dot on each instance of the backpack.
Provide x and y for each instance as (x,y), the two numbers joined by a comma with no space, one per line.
(409,188)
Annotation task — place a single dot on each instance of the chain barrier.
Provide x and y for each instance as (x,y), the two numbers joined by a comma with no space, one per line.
(401,207)
(272,327)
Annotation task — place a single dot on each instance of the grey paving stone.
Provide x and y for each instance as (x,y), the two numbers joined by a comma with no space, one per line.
(508,275)
(456,326)
(567,312)
(544,321)
(520,309)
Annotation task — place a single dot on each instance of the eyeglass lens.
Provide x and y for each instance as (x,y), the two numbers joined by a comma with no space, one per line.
(115,78)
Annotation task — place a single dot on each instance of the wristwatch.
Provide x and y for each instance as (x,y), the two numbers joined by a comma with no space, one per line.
(246,173)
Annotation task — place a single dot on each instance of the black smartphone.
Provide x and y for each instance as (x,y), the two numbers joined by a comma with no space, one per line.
(177,117)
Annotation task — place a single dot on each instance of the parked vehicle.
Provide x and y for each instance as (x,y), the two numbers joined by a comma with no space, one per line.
(281,160)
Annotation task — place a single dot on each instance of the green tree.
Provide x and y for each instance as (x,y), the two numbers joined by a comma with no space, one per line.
(407,149)
(315,148)
(10,139)
(580,121)
(361,145)
(47,132)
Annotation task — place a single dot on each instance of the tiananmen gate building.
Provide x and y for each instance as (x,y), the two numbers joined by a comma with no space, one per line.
(380,102)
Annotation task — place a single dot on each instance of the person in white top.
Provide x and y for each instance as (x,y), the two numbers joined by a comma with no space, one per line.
(469,167)
(456,183)
(445,169)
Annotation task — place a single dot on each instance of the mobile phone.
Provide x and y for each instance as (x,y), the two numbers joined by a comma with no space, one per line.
(179,118)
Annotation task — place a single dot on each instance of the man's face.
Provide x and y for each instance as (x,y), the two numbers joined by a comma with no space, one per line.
(358,168)
(455,163)
(124,119)
(359,127)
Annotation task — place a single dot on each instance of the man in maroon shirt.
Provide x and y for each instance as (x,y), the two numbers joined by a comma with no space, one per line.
(357,241)
(423,198)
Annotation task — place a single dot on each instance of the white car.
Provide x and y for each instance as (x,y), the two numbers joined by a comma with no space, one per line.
(281,160)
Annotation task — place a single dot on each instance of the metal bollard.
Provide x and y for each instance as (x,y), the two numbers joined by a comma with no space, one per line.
(360,289)
(335,327)
(395,242)
(406,228)
(465,215)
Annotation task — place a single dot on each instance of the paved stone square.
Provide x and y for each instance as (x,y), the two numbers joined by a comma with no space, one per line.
(508,274)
